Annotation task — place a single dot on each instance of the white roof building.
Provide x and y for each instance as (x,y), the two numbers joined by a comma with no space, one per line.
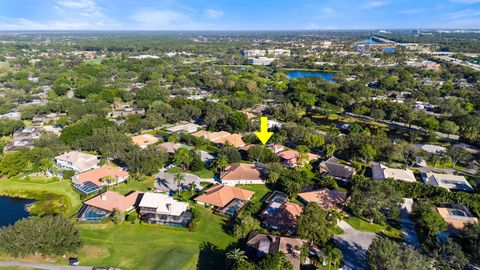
(382,172)
(77,161)
(448,181)
(189,128)
(164,204)
(432,149)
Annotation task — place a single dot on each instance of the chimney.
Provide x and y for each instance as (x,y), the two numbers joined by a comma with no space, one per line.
(103,197)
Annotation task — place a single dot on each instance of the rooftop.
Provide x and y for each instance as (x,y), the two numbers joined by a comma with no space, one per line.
(220,195)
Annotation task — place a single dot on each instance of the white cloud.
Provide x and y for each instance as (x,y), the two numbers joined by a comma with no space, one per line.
(213,14)
(466,13)
(26,24)
(373,4)
(328,11)
(80,4)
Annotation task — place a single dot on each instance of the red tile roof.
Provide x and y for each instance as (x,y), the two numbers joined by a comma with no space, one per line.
(220,195)
(111,200)
(96,176)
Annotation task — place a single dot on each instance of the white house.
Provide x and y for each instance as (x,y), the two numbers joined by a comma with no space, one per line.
(77,161)
(448,181)
(382,172)
(162,209)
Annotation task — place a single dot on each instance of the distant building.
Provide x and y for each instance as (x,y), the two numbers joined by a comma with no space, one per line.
(448,181)
(221,137)
(188,128)
(278,52)
(382,172)
(28,135)
(144,140)
(469,148)
(162,209)
(77,161)
(254,52)
(241,173)
(261,61)
(171,147)
(432,149)
(127,111)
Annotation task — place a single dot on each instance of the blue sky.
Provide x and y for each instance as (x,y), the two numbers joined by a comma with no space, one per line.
(236,14)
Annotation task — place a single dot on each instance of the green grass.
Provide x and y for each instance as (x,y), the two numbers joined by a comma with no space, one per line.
(260,191)
(204,173)
(131,185)
(362,225)
(143,246)
(55,196)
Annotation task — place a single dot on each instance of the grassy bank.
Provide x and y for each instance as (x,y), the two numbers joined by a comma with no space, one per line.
(51,197)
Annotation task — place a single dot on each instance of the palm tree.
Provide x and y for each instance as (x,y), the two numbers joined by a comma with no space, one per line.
(192,186)
(178,180)
(220,163)
(236,256)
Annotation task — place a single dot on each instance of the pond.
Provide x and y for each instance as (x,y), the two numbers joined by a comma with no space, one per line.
(389,50)
(293,74)
(13,209)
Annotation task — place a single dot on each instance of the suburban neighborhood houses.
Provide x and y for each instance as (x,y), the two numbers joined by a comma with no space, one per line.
(242,150)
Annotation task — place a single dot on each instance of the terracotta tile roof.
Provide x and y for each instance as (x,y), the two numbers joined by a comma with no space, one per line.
(292,157)
(241,171)
(221,195)
(326,198)
(221,137)
(97,175)
(246,147)
(282,216)
(144,140)
(111,200)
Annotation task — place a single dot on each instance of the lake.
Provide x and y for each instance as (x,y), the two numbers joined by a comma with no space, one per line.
(389,50)
(12,209)
(293,74)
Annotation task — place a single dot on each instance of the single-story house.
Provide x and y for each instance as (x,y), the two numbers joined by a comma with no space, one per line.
(27,136)
(221,137)
(291,158)
(259,245)
(205,156)
(241,173)
(456,216)
(281,216)
(226,199)
(188,128)
(162,209)
(382,172)
(104,205)
(432,149)
(277,148)
(448,181)
(144,140)
(99,175)
(332,167)
(126,111)
(77,161)
(469,148)
(171,147)
(328,199)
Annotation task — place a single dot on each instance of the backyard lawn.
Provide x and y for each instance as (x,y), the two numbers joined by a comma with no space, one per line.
(204,173)
(144,246)
(363,225)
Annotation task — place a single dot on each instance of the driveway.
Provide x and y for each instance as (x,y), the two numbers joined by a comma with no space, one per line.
(43,266)
(409,232)
(354,245)
(164,181)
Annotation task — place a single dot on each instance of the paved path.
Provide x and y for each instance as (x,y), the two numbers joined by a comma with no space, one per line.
(409,232)
(164,181)
(354,245)
(44,266)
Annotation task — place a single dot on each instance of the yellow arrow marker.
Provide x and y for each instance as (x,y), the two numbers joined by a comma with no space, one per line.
(264,135)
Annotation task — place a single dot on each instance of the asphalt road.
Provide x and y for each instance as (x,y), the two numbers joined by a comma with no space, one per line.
(44,266)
